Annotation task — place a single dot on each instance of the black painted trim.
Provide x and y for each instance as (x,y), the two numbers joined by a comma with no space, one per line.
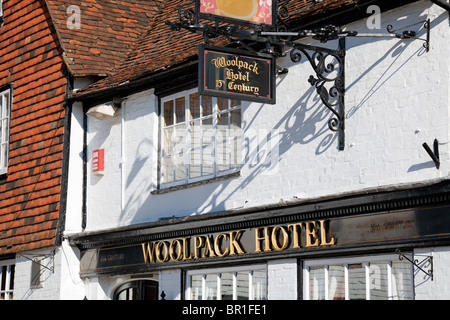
(426,196)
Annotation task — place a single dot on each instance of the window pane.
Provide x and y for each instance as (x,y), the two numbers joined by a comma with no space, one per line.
(168,169)
(211,287)
(378,281)
(168,113)
(226,286)
(223,151)
(222,104)
(317,283)
(196,158)
(2,102)
(180,166)
(3,278)
(336,282)
(236,138)
(4,156)
(206,105)
(194,106)
(180,111)
(357,281)
(196,287)
(401,280)
(234,103)
(259,285)
(208,147)
(208,160)
(242,285)
(168,141)
(207,131)
(179,138)
(11,279)
(235,122)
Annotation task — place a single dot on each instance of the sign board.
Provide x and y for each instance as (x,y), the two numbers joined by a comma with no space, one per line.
(98,162)
(296,237)
(244,12)
(235,74)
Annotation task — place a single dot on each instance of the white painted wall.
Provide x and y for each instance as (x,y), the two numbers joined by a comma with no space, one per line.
(282,280)
(59,275)
(436,288)
(397,98)
(75,185)
(170,283)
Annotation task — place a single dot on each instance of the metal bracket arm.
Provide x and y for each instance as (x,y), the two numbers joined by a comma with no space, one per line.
(328,64)
(417,263)
(52,256)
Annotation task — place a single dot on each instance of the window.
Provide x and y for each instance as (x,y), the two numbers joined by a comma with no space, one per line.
(1,10)
(7,268)
(201,137)
(5,110)
(368,278)
(137,290)
(246,283)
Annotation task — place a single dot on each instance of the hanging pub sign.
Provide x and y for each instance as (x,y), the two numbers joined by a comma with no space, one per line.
(244,12)
(234,74)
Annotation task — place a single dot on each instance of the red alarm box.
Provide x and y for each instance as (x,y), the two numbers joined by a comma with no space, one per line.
(98,162)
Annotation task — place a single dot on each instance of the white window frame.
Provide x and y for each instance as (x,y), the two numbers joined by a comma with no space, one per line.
(234,270)
(7,292)
(5,117)
(1,9)
(187,156)
(366,260)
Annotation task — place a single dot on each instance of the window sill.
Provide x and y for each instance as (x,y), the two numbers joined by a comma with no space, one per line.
(165,190)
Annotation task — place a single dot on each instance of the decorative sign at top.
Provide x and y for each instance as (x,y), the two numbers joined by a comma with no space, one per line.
(240,11)
(235,74)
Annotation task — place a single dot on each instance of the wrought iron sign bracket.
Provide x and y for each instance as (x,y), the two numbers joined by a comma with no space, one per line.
(427,261)
(328,64)
(434,154)
(41,256)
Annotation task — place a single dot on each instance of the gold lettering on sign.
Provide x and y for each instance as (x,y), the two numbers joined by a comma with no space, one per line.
(237,79)
(278,238)
(218,246)
(296,234)
(235,247)
(264,238)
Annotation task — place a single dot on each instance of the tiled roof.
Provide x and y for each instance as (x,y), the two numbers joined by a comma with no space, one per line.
(108,29)
(35,48)
(30,57)
(159,48)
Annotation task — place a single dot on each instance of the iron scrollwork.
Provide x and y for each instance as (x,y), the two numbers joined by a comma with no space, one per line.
(421,265)
(328,65)
(328,80)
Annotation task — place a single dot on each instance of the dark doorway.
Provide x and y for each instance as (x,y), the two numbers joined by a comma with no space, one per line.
(137,290)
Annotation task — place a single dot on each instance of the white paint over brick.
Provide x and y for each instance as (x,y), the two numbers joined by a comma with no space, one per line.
(397,98)
(282,279)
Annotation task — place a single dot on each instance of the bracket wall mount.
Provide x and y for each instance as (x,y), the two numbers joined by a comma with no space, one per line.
(327,64)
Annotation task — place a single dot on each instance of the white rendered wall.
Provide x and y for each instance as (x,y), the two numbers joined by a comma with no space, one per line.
(282,280)
(397,98)
(170,283)
(59,275)
(438,288)
(75,186)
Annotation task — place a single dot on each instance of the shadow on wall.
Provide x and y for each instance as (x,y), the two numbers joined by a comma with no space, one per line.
(304,123)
